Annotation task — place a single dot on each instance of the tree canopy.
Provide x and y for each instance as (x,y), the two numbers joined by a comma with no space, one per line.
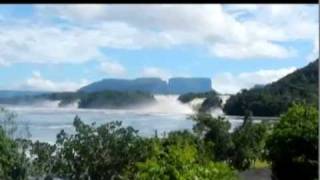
(275,98)
(292,148)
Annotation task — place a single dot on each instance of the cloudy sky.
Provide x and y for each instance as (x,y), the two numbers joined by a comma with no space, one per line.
(63,47)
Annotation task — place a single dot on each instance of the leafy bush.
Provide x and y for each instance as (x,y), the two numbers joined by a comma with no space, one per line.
(175,158)
(215,132)
(240,148)
(13,162)
(97,153)
(293,146)
(248,143)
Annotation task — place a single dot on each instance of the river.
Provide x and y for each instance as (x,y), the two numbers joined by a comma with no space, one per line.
(46,119)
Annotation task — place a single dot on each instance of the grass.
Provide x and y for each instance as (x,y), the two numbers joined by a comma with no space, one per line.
(259,164)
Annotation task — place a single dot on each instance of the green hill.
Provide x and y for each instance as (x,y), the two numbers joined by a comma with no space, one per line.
(276,97)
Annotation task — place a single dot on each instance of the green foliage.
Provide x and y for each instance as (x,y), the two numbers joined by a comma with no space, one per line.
(7,122)
(240,148)
(8,153)
(43,158)
(177,157)
(97,153)
(13,161)
(64,97)
(212,100)
(185,98)
(111,151)
(115,99)
(215,132)
(275,98)
(248,143)
(101,99)
(293,146)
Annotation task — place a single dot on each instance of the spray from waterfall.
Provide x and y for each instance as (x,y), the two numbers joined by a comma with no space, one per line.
(167,104)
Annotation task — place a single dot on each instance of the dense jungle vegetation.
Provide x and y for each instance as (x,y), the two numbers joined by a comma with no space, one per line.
(275,98)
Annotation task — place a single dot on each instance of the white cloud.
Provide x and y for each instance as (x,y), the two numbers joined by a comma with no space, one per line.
(112,68)
(315,51)
(208,24)
(155,72)
(85,12)
(51,44)
(256,31)
(251,50)
(37,82)
(232,83)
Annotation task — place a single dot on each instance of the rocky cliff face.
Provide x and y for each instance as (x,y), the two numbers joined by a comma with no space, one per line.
(186,85)
(152,85)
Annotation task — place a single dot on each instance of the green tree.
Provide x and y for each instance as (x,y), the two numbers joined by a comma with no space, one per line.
(97,152)
(13,161)
(178,160)
(275,98)
(7,122)
(43,159)
(248,140)
(292,147)
(215,132)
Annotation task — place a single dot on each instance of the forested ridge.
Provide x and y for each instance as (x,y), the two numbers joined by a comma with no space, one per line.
(275,98)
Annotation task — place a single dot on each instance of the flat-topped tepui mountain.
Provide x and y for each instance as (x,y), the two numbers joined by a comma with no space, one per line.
(151,85)
(186,85)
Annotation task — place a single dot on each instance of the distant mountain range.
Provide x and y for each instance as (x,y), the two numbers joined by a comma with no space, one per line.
(151,85)
(111,93)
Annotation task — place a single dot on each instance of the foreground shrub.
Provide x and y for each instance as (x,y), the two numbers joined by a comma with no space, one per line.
(293,146)
(215,133)
(13,161)
(97,153)
(179,161)
(248,143)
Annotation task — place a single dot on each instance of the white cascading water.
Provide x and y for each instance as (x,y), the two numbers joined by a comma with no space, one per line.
(224,98)
(216,112)
(195,104)
(47,104)
(46,118)
(170,104)
(167,104)
(73,105)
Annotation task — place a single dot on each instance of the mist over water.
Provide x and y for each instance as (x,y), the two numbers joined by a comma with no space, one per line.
(165,104)
(46,119)
(168,104)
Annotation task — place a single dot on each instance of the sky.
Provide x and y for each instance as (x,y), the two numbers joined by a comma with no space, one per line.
(64,47)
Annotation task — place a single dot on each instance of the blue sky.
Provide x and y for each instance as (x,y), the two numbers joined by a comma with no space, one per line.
(63,47)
